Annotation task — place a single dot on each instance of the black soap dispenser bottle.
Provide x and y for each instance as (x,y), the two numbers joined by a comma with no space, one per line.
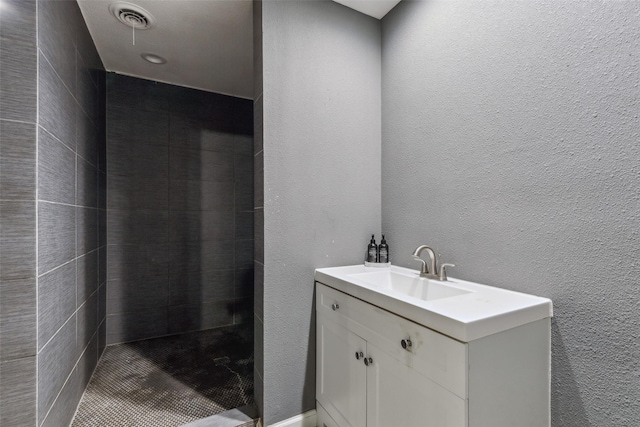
(372,250)
(383,251)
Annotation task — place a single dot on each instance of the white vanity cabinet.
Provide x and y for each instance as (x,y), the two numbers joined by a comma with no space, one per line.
(367,378)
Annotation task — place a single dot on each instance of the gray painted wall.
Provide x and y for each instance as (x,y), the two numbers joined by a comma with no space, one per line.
(321,98)
(510,145)
(51,156)
(179,209)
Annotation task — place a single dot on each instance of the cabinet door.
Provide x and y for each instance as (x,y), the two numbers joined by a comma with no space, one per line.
(341,378)
(399,396)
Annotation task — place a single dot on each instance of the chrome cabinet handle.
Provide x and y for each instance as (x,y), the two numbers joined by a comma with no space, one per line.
(359,354)
(368,361)
(335,306)
(406,344)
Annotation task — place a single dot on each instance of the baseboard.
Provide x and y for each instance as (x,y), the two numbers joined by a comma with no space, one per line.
(307,419)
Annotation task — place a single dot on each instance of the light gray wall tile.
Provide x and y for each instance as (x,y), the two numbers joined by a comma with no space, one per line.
(57,23)
(17,160)
(87,318)
(56,235)
(56,105)
(18,80)
(56,300)
(64,407)
(17,239)
(201,225)
(18,21)
(56,170)
(86,229)
(18,392)
(87,187)
(87,137)
(87,276)
(17,318)
(55,363)
(132,326)
(201,286)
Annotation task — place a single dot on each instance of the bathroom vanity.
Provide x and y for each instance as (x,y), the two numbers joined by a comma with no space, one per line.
(395,349)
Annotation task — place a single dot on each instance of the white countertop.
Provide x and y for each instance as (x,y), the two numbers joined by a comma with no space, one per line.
(483,311)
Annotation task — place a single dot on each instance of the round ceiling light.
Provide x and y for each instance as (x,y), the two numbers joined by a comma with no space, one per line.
(154,59)
(132,15)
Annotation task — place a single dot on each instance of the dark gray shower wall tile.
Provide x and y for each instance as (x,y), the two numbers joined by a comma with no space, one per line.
(86,230)
(18,80)
(201,225)
(56,170)
(17,160)
(132,94)
(56,300)
(243,145)
(243,283)
(140,193)
(258,127)
(55,363)
(243,116)
(63,409)
(244,194)
(197,317)
(85,367)
(102,227)
(244,225)
(102,303)
(102,265)
(200,165)
(87,185)
(102,337)
(87,135)
(189,133)
(135,159)
(18,392)
(243,311)
(86,50)
(258,180)
(243,254)
(87,318)
(202,286)
(201,195)
(137,226)
(137,261)
(57,21)
(17,239)
(18,20)
(57,107)
(200,256)
(132,326)
(17,318)
(258,235)
(87,90)
(142,293)
(87,276)
(102,190)
(258,289)
(56,235)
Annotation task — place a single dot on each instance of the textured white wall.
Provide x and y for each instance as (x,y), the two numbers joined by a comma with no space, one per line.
(322,189)
(511,145)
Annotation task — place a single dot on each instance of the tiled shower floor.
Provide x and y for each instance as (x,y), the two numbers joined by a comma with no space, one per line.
(170,381)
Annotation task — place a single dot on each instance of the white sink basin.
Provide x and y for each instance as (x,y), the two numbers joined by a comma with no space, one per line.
(410,285)
(460,309)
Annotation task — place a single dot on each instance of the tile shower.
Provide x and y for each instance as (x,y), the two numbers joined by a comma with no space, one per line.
(156,241)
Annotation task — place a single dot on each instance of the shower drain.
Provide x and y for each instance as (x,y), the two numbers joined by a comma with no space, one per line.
(132,15)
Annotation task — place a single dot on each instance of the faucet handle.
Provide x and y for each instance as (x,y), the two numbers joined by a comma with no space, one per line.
(443,273)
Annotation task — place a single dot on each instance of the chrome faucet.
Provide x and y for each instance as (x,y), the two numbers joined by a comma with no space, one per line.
(430,271)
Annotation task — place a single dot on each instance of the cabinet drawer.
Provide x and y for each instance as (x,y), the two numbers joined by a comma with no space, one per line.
(436,356)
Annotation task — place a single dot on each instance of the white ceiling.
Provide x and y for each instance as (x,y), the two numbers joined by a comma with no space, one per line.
(208,44)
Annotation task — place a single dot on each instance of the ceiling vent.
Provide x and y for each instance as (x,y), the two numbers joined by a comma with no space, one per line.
(132,15)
